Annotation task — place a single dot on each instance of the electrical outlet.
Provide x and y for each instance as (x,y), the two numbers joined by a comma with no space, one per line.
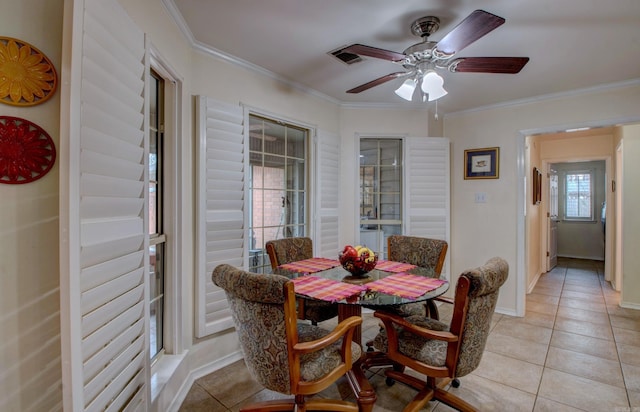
(481,197)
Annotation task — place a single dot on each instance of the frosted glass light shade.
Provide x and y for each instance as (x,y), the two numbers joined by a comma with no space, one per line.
(406,89)
(432,85)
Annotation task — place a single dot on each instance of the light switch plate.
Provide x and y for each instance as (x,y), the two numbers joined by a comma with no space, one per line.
(481,197)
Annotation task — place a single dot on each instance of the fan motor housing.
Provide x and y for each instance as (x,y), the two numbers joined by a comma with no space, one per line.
(425,26)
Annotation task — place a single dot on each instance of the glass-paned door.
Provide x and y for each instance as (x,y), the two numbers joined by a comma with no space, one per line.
(278,176)
(380,191)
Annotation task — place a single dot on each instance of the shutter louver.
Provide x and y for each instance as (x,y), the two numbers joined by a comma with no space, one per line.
(109,355)
(427,174)
(220,201)
(328,191)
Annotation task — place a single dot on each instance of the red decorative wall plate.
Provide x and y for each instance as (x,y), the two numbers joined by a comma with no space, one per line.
(26,151)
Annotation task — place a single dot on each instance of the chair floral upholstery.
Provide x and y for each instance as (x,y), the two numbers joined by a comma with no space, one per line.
(440,350)
(419,251)
(293,249)
(263,311)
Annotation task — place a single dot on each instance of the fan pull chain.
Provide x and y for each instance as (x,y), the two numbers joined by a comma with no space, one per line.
(436,115)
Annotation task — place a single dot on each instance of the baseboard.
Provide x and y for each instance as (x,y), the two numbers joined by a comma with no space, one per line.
(198,373)
(599,258)
(505,311)
(630,305)
(533,284)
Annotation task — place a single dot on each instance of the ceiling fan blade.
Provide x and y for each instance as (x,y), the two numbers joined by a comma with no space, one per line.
(362,50)
(488,64)
(476,25)
(377,82)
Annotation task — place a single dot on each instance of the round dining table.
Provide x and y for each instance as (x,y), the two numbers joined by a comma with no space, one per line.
(366,298)
(354,293)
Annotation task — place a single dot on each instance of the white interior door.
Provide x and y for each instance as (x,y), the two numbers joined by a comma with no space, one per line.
(552,220)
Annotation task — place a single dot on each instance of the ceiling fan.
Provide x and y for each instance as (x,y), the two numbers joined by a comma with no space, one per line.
(421,60)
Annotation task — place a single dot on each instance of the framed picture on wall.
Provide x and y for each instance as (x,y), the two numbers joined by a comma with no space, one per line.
(482,163)
(536,184)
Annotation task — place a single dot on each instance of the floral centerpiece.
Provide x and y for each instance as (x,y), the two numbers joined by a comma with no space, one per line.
(358,260)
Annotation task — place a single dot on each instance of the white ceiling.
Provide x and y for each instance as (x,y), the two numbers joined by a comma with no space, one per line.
(572,44)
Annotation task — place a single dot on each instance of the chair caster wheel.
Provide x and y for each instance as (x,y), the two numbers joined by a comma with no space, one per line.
(455,383)
(389,382)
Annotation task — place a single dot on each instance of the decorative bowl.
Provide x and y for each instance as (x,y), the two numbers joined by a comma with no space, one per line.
(358,266)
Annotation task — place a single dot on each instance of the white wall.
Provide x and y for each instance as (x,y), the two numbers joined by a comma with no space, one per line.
(29,295)
(479,231)
(631,217)
(534,214)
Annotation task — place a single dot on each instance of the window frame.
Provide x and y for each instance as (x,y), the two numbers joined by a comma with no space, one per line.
(158,238)
(381,224)
(263,263)
(173,326)
(565,175)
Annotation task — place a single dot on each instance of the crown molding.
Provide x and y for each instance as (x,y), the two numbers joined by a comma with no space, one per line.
(218,54)
(553,96)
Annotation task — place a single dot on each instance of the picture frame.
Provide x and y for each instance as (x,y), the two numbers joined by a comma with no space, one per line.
(536,184)
(482,163)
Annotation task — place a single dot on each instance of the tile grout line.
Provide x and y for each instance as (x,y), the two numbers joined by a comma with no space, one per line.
(615,344)
(555,317)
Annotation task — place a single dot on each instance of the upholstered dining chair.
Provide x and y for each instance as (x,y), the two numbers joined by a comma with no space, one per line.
(284,355)
(438,350)
(293,249)
(423,252)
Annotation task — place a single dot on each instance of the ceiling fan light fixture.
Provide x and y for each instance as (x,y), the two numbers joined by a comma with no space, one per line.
(406,89)
(432,84)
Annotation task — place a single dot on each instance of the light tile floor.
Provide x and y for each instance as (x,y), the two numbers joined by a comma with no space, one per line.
(575,349)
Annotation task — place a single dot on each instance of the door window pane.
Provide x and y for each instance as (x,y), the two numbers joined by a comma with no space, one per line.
(277,185)
(380,191)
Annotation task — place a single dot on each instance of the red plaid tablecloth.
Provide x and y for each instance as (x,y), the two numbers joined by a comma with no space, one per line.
(325,289)
(405,285)
(311,265)
(395,267)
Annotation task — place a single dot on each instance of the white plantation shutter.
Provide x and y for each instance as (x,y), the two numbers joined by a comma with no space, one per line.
(104,259)
(427,199)
(327,195)
(220,203)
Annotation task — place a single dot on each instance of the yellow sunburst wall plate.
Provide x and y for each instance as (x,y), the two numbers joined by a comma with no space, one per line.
(27,76)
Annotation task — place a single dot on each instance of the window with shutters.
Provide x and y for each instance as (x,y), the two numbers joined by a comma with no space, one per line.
(380,190)
(278,176)
(157,238)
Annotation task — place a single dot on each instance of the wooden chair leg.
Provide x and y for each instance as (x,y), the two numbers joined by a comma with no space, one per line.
(453,401)
(432,310)
(365,395)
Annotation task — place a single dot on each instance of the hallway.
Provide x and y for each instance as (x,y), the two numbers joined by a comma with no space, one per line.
(575,350)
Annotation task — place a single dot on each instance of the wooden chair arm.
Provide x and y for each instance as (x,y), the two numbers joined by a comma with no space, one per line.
(390,319)
(342,329)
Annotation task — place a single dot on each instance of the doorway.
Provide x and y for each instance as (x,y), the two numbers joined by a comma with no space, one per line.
(556,151)
(577,216)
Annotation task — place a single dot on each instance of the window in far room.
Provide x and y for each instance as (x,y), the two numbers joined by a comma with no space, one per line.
(278,185)
(578,195)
